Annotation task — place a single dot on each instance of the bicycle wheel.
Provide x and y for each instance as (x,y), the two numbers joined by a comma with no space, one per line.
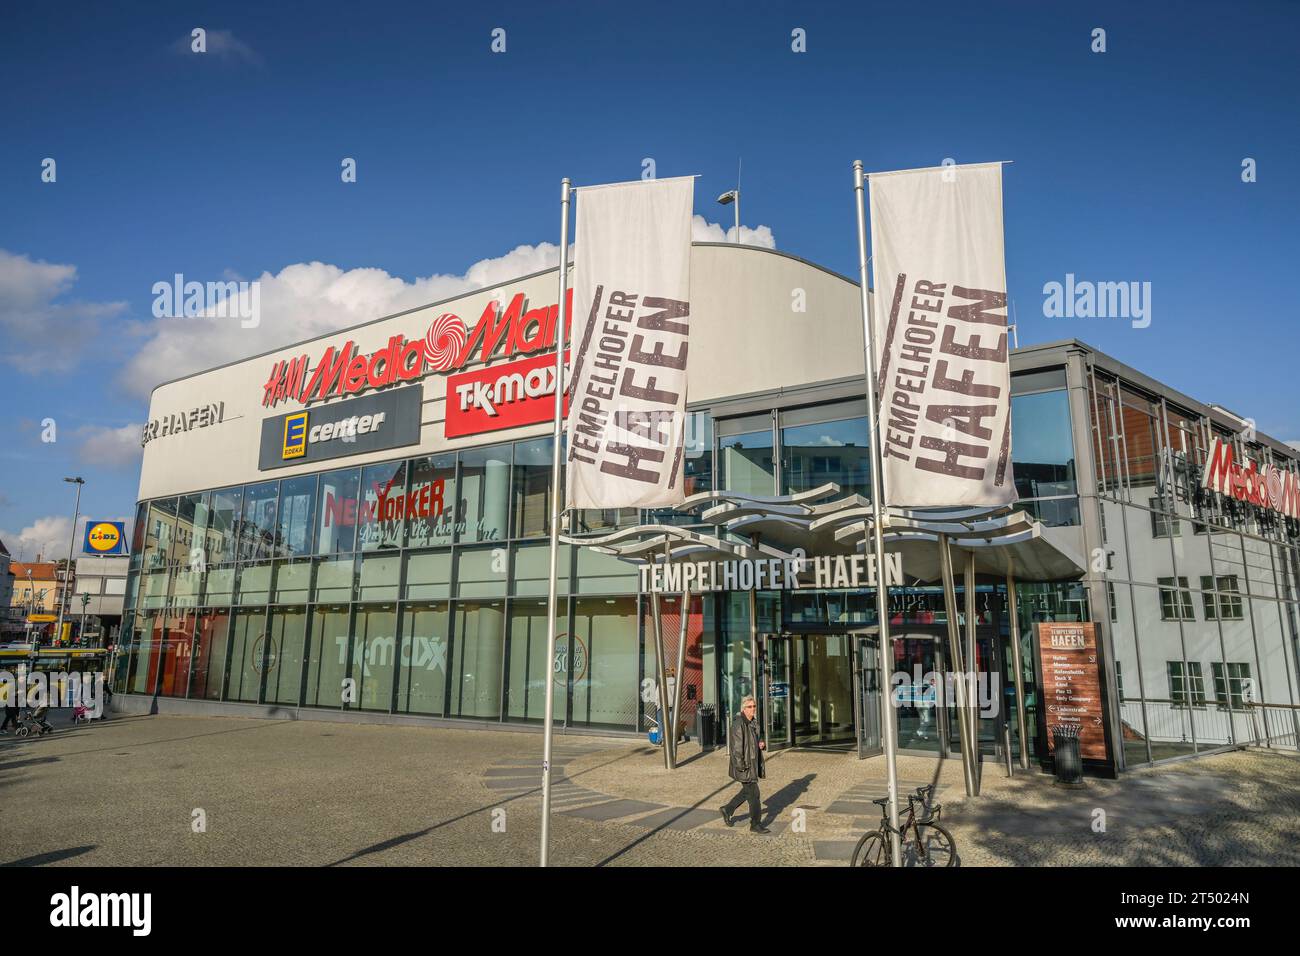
(929,845)
(22,732)
(871,851)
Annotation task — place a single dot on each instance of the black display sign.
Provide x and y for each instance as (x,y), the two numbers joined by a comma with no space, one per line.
(386,420)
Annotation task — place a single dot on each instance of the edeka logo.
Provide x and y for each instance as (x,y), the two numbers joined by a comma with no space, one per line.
(73,909)
(502,396)
(447,345)
(295,435)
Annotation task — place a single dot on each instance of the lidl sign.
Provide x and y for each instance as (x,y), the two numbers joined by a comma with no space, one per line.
(105,537)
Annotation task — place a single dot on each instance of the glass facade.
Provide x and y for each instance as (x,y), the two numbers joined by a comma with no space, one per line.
(417,586)
(402,587)
(1201,589)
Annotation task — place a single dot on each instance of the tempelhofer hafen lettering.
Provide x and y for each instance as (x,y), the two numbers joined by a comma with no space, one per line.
(623,400)
(924,395)
(771,574)
(201,417)
(74,908)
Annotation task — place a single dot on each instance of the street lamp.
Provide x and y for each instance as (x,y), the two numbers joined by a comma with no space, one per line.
(67,573)
(726,199)
(31,596)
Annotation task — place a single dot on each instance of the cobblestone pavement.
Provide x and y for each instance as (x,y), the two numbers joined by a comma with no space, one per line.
(127,792)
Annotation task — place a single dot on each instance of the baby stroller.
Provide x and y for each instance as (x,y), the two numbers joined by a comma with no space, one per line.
(81,714)
(34,721)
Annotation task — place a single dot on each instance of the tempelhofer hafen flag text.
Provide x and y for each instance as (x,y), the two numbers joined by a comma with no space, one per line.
(632,313)
(940,313)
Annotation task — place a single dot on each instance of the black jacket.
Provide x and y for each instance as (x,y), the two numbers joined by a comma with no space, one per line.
(746,759)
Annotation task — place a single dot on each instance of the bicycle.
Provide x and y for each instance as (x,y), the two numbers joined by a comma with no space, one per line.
(922,841)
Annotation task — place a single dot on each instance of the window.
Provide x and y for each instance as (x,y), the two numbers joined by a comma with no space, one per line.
(422,688)
(161,530)
(1119,680)
(1232,685)
(532,488)
(381,505)
(476,664)
(746,462)
(327,656)
(1225,605)
(1175,600)
(222,525)
(1186,687)
(1162,525)
(1110,599)
(288,638)
(483,511)
(247,643)
(297,499)
(432,501)
(1043,450)
(812,455)
(336,511)
(257,531)
(373,655)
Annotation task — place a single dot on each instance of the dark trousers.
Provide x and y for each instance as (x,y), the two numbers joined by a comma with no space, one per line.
(748,791)
(11,716)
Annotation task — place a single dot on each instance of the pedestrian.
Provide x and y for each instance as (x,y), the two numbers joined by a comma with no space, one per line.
(746,766)
(9,698)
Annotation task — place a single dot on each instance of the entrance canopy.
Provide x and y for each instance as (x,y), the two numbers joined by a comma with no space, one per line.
(1002,540)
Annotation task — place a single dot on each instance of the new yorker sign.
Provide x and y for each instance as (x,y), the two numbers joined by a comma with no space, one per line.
(772,574)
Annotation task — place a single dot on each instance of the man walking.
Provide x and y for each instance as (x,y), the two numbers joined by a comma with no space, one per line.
(746,766)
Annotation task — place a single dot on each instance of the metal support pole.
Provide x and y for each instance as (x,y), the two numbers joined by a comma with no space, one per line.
(661,676)
(972,668)
(886,650)
(67,573)
(552,597)
(683,633)
(1018,673)
(956,667)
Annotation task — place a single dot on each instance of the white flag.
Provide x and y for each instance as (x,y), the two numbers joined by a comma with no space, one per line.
(631,319)
(940,313)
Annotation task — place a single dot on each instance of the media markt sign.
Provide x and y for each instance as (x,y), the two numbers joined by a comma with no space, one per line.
(374,423)
(1269,487)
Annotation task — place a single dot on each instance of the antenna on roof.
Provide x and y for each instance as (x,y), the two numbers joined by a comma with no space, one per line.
(1015,334)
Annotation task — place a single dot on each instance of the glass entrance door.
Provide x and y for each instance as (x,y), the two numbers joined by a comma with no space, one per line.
(776,691)
(918,699)
(821,691)
(988,701)
(866,680)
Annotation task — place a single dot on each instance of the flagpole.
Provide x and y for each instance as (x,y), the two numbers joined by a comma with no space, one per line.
(878,531)
(548,733)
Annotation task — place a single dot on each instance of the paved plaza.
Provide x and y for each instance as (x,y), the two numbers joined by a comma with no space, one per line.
(132,791)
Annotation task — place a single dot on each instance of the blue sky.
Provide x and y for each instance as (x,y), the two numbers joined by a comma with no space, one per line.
(1127,167)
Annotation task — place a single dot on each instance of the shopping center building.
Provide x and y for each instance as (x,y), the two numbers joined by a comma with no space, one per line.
(355,527)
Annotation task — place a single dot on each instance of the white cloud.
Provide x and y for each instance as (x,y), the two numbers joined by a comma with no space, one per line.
(704,231)
(42,334)
(219,44)
(47,537)
(110,447)
(308,299)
